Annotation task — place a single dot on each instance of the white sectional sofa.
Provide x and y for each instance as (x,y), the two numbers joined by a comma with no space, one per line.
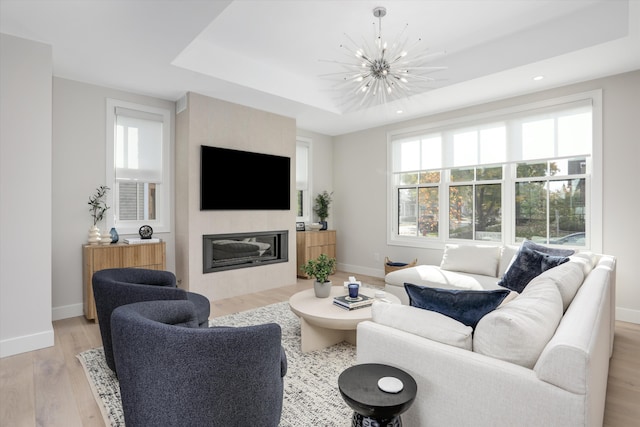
(539,359)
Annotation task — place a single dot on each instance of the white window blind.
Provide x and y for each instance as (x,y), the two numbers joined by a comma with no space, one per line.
(541,134)
(138,150)
(302,167)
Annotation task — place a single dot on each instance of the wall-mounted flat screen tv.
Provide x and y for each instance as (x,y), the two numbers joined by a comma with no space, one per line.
(242,180)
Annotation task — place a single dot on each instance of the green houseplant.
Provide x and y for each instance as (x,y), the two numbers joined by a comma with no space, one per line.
(98,204)
(321,207)
(320,269)
(97,208)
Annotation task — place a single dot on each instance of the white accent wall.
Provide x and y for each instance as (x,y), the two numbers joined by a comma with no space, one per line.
(25,196)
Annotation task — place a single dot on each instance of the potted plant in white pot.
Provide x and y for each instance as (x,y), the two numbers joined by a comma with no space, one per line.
(97,207)
(320,269)
(321,207)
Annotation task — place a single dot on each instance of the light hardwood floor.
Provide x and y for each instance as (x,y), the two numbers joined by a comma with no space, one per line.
(48,387)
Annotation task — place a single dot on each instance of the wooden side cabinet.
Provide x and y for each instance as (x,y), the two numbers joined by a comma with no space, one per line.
(119,255)
(310,244)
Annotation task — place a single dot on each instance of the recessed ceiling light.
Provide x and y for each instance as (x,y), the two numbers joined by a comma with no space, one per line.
(399,112)
(537,78)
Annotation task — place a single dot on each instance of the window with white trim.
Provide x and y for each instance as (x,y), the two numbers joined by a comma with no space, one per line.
(526,172)
(303,205)
(138,166)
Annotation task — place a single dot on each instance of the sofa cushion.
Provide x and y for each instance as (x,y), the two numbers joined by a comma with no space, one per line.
(434,276)
(473,259)
(528,264)
(517,332)
(568,277)
(426,324)
(467,307)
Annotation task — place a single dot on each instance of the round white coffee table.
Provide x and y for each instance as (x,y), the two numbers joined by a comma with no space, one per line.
(323,324)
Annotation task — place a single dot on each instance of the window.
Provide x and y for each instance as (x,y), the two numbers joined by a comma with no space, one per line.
(138,171)
(303,205)
(526,172)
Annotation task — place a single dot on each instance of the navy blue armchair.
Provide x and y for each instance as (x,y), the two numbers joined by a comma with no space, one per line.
(119,286)
(173,373)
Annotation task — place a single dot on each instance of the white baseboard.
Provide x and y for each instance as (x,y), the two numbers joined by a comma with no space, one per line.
(67,311)
(628,315)
(356,269)
(25,343)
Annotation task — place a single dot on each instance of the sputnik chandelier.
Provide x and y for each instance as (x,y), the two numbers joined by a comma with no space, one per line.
(382,73)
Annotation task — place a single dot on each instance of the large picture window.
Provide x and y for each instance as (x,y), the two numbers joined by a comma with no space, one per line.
(525,173)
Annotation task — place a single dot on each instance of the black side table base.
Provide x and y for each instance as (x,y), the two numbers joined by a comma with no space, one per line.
(359,420)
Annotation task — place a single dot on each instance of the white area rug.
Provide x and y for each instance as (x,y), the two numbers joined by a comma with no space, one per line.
(311,395)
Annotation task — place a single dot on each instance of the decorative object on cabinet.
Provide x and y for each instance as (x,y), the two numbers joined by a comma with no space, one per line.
(310,244)
(114,235)
(97,207)
(145,232)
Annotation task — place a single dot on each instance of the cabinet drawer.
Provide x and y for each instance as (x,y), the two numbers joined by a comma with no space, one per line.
(142,255)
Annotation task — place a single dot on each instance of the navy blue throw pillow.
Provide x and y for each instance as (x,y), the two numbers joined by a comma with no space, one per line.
(465,306)
(545,250)
(529,263)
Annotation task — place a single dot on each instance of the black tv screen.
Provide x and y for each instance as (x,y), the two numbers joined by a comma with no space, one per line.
(242,180)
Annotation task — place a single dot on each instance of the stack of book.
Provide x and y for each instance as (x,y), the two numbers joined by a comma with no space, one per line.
(137,240)
(344,301)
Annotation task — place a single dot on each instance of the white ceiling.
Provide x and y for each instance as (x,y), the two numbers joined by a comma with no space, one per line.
(267,54)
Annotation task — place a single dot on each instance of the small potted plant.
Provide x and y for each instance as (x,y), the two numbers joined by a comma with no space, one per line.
(321,207)
(97,207)
(320,269)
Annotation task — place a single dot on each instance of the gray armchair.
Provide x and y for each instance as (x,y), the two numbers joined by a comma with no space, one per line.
(173,373)
(119,286)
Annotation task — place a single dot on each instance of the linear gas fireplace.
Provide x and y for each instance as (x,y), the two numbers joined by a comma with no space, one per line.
(239,250)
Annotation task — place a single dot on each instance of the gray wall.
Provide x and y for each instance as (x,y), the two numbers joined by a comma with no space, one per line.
(79,166)
(25,195)
(360,181)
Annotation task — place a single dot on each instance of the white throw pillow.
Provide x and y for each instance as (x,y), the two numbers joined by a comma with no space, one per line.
(424,323)
(568,277)
(473,259)
(517,332)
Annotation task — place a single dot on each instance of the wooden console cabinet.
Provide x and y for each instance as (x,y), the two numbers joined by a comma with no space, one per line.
(310,244)
(118,255)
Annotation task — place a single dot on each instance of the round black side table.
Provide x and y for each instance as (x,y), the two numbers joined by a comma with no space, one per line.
(373,407)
